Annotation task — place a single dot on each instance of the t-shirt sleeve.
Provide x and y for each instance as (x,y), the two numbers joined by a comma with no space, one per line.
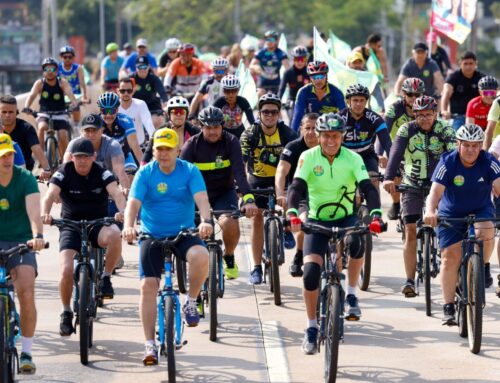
(494,168)
(196,182)
(31,185)
(359,169)
(302,170)
(187,151)
(139,185)
(18,155)
(205,85)
(434,66)
(104,63)
(287,153)
(406,70)
(152,61)
(220,102)
(107,177)
(31,136)
(494,113)
(452,78)
(128,125)
(115,149)
(441,173)
(470,108)
(247,109)
(59,177)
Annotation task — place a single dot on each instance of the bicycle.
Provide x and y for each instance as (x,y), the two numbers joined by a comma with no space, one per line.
(170,324)
(332,294)
(10,325)
(274,251)
(88,268)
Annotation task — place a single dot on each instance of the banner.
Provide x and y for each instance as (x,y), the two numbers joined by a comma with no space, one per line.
(283,45)
(248,88)
(453,18)
(339,49)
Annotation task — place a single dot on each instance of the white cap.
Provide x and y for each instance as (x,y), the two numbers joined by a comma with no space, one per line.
(141,43)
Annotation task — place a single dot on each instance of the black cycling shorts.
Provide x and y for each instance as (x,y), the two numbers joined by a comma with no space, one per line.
(71,239)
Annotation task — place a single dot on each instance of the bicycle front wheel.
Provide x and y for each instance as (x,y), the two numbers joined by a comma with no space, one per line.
(4,335)
(427,272)
(366,269)
(332,336)
(181,272)
(170,336)
(83,314)
(274,249)
(475,289)
(212,292)
(51,152)
(220,274)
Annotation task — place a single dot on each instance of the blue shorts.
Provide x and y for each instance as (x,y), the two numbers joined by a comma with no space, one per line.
(458,122)
(130,163)
(317,243)
(448,236)
(225,201)
(269,85)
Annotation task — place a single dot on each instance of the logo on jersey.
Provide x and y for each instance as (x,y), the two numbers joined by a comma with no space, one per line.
(480,179)
(318,170)
(138,88)
(218,162)
(162,187)
(58,176)
(301,162)
(148,87)
(4,204)
(363,135)
(458,180)
(45,94)
(426,73)
(57,96)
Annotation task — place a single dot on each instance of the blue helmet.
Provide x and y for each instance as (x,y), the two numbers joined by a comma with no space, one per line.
(67,49)
(108,100)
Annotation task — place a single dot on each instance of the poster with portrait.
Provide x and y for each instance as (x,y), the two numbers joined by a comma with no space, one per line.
(453,17)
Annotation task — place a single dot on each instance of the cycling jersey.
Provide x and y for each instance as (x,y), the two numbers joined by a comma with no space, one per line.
(478,110)
(71,76)
(395,116)
(420,150)
(51,97)
(307,102)
(211,87)
(148,89)
(464,90)
(295,79)
(494,113)
(270,62)
(331,188)
(121,128)
(139,113)
(233,117)
(188,79)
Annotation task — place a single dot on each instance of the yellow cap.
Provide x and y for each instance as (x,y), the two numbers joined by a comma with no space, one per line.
(354,56)
(6,145)
(165,137)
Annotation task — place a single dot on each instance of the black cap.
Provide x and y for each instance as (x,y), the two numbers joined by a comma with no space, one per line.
(92,120)
(127,46)
(142,60)
(82,146)
(421,47)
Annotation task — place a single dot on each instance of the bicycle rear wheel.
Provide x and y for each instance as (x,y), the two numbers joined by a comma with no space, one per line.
(181,272)
(212,292)
(170,336)
(427,272)
(83,314)
(365,274)
(475,289)
(332,335)
(51,152)
(274,248)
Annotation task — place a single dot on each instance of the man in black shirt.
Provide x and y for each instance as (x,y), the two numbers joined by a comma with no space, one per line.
(83,187)
(23,133)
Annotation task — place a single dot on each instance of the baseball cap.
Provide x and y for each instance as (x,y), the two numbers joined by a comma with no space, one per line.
(142,60)
(141,43)
(420,47)
(6,145)
(127,46)
(165,137)
(92,120)
(82,147)
(355,56)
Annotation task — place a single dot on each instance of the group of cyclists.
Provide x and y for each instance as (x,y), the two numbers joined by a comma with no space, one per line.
(169,139)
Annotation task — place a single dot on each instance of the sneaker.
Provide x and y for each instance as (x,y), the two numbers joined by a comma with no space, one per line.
(106,288)
(230,267)
(66,325)
(256,276)
(296,266)
(26,364)
(150,355)
(488,279)
(409,289)
(498,288)
(191,314)
(354,312)
(288,239)
(393,212)
(310,343)
(449,315)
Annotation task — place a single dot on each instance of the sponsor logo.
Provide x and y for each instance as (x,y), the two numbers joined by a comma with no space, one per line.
(318,170)
(458,180)
(162,187)
(4,204)
(480,179)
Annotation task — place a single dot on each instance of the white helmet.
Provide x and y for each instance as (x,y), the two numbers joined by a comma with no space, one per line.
(220,62)
(172,44)
(470,132)
(177,102)
(230,82)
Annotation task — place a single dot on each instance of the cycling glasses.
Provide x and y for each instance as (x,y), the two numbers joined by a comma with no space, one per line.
(177,111)
(123,91)
(299,59)
(271,40)
(142,67)
(270,112)
(172,52)
(319,76)
(219,71)
(67,57)
(50,69)
(489,93)
(109,111)
(416,95)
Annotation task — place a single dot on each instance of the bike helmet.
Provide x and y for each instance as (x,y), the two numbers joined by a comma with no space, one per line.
(330,122)
(172,44)
(186,48)
(413,85)
(317,67)
(271,35)
(300,51)
(50,61)
(211,115)
(488,83)
(424,103)
(269,98)
(67,49)
(230,82)
(220,62)
(470,133)
(357,90)
(177,102)
(111,47)
(108,100)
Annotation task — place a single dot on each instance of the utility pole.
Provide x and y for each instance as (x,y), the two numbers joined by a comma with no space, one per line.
(45,28)
(236,18)
(53,19)
(101,28)
(118,22)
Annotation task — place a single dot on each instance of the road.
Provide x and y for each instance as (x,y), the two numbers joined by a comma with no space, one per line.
(260,342)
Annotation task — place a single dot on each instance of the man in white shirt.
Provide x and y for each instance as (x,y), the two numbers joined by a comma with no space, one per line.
(136,109)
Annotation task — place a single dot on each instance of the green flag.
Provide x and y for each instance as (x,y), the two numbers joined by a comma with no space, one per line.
(339,49)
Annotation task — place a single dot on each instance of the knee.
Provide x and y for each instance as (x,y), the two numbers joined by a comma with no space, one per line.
(198,257)
(355,244)
(67,271)
(312,273)
(26,292)
(149,286)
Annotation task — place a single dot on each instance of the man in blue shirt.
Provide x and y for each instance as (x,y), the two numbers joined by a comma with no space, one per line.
(462,185)
(128,66)
(166,190)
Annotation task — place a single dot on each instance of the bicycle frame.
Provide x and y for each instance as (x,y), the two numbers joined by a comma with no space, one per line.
(272,215)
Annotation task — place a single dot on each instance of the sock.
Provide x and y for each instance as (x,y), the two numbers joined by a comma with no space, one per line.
(105,274)
(67,308)
(351,290)
(27,344)
(191,301)
(150,342)
(312,323)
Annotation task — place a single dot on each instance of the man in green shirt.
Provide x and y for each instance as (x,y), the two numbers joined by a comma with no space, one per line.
(20,222)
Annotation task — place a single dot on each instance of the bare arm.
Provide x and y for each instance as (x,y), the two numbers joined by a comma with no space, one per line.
(280,180)
(399,83)
(33,209)
(51,196)
(83,86)
(201,200)
(35,91)
(438,82)
(382,58)
(134,146)
(435,194)
(445,100)
(117,195)
(195,103)
(104,72)
(40,157)
(255,66)
(488,134)
(118,164)
(66,157)
(68,91)
(133,206)
(286,63)
(496,186)
(470,120)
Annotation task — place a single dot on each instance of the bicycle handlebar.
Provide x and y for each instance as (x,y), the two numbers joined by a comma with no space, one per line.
(64,222)
(265,191)
(50,113)
(169,241)
(405,188)
(21,248)
(333,232)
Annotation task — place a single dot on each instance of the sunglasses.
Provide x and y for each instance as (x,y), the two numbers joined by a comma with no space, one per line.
(269,112)
(142,67)
(172,52)
(219,71)
(489,93)
(425,116)
(67,57)
(299,59)
(109,111)
(413,94)
(178,111)
(271,40)
(318,76)
(123,91)
(50,69)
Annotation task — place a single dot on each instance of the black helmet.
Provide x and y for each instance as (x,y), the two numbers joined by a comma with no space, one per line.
(488,83)
(211,115)
(269,98)
(424,103)
(271,34)
(300,51)
(49,61)
(330,122)
(357,90)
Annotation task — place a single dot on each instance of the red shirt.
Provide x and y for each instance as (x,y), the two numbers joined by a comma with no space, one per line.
(478,110)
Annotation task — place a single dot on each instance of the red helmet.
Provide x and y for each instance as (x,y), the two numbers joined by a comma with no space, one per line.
(317,67)
(424,103)
(186,48)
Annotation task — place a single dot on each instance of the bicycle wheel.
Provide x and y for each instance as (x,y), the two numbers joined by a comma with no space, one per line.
(181,272)
(51,152)
(332,335)
(170,336)
(475,289)
(427,272)
(212,292)
(83,314)
(366,269)
(221,282)
(274,249)
(4,335)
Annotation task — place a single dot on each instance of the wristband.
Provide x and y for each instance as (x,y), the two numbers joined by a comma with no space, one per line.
(248,196)
(39,236)
(292,211)
(209,221)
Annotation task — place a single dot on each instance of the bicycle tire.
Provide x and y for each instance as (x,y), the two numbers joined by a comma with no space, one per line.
(181,274)
(332,335)
(365,273)
(51,152)
(4,334)
(170,336)
(475,289)
(83,314)
(212,293)
(221,281)
(427,273)
(274,248)
(462,309)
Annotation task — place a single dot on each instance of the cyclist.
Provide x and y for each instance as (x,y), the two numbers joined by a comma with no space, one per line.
(169,54)
(261,145)
(479,107)
(129,66)
(329,175)
(374,46)
(187,71)
(296,76)
(20,222)
(75,75)
(462,184)
(210,88)
(110,68)
(217,154)
(51,90)
(83,187)
(233,106)
(165,191)
(284,176)
(493,122)
(420,143)
(319,96)
(267,63)
(460,87)
(136,110)
(149,89)
(22,133)
(439,54)
(126,51)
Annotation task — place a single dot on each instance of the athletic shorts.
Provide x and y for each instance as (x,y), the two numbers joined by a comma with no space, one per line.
(317,243)
(370,159)
(71,239)
(269,85)
(412,202)
(263,183)
(60,121)
(225,201)
(28,258)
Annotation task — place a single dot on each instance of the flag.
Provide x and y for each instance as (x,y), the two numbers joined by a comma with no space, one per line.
(454,19)
(248,88)
(373,65)
(339,49)
(283,45)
